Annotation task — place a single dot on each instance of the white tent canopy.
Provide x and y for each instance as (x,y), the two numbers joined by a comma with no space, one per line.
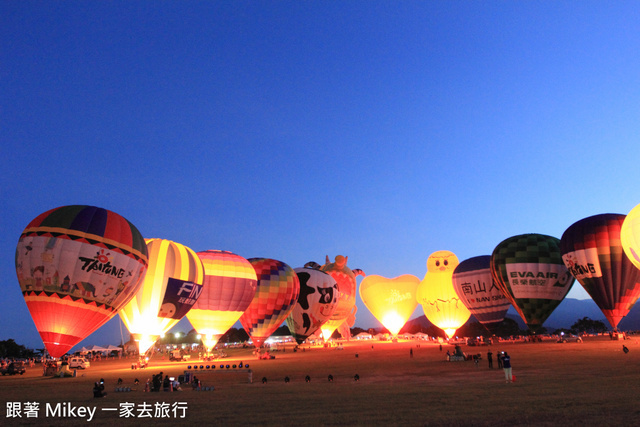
(91,349)
(363,336)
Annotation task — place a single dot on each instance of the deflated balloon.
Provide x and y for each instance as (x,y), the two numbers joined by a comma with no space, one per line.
(171,286)
(529,270)
(316,303)
(276,294)
(592,251)
(474,285)
(228,288)
(77,266)
(391,301)
(439,300)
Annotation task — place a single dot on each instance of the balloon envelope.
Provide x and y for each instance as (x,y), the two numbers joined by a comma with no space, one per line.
(277,292)
(346,280)
(592,250)
(529,270)
(316,303)
(439,300)
(391,301)
(171,286)
(630,236)
(228,288)
(474,285)
(77,266)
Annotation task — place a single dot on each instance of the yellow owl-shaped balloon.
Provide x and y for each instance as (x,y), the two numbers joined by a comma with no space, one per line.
(436,293)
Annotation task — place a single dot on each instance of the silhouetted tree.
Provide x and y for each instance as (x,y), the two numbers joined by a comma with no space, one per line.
(9,348)
(587,325)
(508,327)
(356,330)
(235,335)
(473,329)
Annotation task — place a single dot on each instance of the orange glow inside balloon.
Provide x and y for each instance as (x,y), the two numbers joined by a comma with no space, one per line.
(148,315)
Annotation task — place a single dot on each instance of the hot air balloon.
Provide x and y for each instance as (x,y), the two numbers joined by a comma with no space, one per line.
(439,300)
(474,285)
(592,251)
(346,280)
(276,294)
(77,266)
(391,301)
(529,271)
(229,287)
(316,303)
(630,236)
(171,286)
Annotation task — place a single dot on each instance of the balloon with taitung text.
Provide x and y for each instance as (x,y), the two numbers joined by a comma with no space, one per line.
(316,303)
(630,236)
(346,280)
(276,294)
(77,266)
(172,285)
(592,251)
(439,300)
(474,285)
(529,271)
(228,288)
(391,301)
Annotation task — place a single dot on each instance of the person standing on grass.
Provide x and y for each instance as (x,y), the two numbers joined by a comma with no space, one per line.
(490,359)
(506,365)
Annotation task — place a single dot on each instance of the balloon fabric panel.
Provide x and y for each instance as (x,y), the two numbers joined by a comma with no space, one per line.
(91,223)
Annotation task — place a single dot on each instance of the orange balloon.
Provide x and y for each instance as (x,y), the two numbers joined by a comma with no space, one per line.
(346,280)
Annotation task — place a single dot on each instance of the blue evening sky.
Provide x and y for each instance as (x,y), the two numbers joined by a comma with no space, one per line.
(381,130)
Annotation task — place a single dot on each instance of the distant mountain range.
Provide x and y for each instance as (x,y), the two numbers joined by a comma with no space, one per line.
(566,314)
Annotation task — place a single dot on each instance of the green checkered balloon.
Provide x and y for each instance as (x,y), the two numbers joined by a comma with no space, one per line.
(530,272)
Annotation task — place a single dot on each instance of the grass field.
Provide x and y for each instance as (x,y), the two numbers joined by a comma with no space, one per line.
(590,383)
